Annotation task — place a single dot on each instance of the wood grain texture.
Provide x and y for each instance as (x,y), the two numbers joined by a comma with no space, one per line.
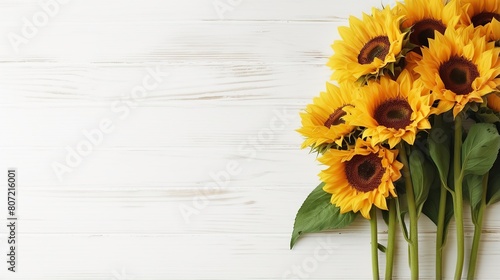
(230,102)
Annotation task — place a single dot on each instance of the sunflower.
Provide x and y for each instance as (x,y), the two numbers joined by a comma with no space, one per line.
(368,46)
(480,13)
(392,110)
(494,102)
(322,121)
(360,177)
(423,18)
(459,67)
(483,15)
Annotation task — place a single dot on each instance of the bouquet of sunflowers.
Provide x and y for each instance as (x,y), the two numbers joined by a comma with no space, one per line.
(408,125)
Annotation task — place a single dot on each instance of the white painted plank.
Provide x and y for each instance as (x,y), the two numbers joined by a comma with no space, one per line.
(171,42)
(97,31)
(193,124)
(87,85)
(112,11)
(163,168)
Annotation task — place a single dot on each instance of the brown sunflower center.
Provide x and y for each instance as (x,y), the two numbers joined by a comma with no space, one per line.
(424,30)
(336,117)
(364,173)
(377,47)
(484,18)
(394,113)
(457,74)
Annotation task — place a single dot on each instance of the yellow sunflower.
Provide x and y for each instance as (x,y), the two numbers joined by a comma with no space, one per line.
(494,102)
(483,15)
(392,110)
(423,18)
(322,121)
(459,67)
(360,177)
(480,13)
(368,45)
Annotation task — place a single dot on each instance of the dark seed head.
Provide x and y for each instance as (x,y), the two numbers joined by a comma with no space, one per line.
(364,173)
(377,47)
(394,113)
(484,18)
(457,74)
(423,30)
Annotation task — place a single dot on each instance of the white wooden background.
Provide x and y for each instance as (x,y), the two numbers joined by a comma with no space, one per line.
(237,80)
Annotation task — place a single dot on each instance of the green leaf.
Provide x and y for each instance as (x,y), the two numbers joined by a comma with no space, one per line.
(317,214)
(431,206)
(493,194)
(401,201)
(473,189)
(440,138)
(402,207)
(385,216)
(439,149)
(487,115)
(422,176)
(381,248)
(480,149)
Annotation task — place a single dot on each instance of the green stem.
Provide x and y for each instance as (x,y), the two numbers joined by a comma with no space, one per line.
(390,240)
(440,233)
(412,212)
(374,242)
(458,197)
(478,228)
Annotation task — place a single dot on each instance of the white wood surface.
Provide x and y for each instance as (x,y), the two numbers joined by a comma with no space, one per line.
(236,84)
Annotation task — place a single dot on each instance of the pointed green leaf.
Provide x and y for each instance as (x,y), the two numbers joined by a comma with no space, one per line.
(439,140)
(431,206)
(473,190)
(385,216)
(493,194)
(439,149)
(480,149)
(402,207)
(422,176)
(317,214)
(381,248)
(402,201)
(487,116)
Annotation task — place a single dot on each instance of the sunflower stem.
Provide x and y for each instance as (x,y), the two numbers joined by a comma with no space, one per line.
(390,240)
(412,212)
(440,238)
(478,228)
(458,197)
(374,242)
